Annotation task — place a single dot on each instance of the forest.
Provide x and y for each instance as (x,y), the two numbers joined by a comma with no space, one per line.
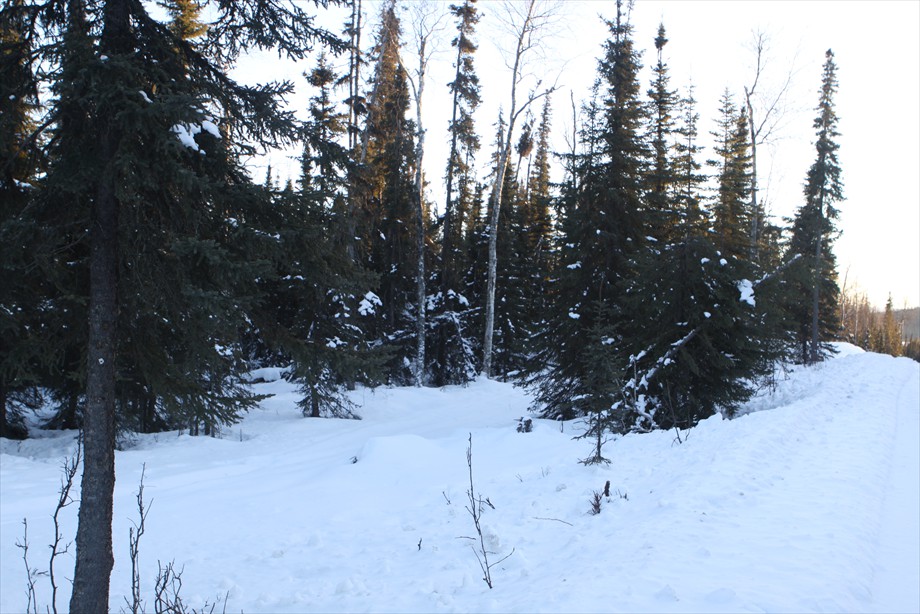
(147,273)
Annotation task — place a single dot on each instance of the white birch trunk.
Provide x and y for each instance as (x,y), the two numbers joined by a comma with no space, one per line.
(420,323)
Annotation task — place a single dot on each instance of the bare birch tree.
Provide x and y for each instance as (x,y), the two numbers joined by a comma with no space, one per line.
(762,128)
(426,19)
(525,20)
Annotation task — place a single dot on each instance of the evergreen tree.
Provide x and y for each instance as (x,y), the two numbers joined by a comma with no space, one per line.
(145,156)
(21,294)
(663,214)
(537,253)
(695,337)
(731,213)
(185,23)
(813,231)
(602,229)
(316,299)
(454,362)
(886,336)
(387,200)
(687,171)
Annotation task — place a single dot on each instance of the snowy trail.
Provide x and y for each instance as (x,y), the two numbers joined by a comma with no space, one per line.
(811,502)
(896,584)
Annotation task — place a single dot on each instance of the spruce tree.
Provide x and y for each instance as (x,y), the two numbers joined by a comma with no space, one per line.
(731,215)
(886,335)
(386,215)
(147,134)
(22,360)
(454,360)
(695,336)
(314,310)
(602,228)
(663,214)
(537,252)
(813,230)
(687,171)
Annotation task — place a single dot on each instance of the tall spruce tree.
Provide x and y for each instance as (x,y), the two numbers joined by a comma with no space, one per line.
(538,252)
(813,231)
(22,360)
(663,215)
(602,228)
(687,170)
(387,210)
(731,215)
(454,359)
(314,310)
(148,130)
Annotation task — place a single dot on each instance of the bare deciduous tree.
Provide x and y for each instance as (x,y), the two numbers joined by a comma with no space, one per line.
(426,19)
(771,105)
(525,21)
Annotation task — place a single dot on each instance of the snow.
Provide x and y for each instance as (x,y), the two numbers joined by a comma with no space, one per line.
(746,288)
(459,297)
(574,316)
(267,374)
(369,304)
(186,134)
(807,502)
(211,128)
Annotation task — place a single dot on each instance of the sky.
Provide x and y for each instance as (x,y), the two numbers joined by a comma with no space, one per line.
(877,51)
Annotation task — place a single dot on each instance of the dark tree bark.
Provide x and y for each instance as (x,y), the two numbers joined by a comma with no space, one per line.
(94,531)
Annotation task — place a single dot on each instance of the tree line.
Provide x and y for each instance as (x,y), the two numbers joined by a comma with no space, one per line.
(889,331)
(146,272)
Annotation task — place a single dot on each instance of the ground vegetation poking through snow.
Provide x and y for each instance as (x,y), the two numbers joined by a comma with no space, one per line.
(807,502)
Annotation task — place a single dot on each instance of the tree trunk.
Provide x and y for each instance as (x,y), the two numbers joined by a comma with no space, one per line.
(94,530)
(420,321)
(523,42)
(493,253)
(94,558)
(815,290)
(447,253)
(354,84)
(755,210)
(815,300)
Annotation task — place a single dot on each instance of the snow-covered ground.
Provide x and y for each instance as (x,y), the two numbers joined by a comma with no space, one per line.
(808,503)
